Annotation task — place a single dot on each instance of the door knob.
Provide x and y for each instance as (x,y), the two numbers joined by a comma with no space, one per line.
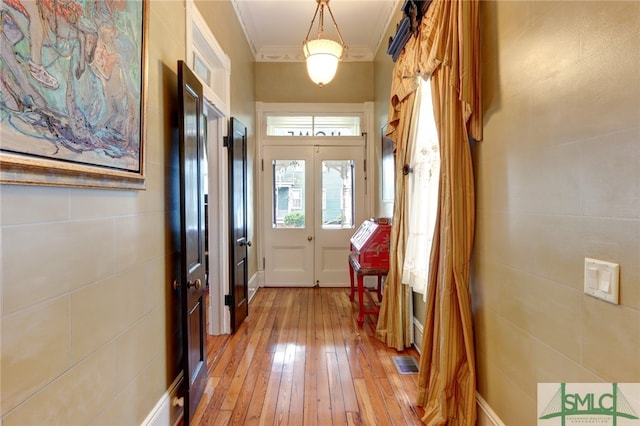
(309,238)
(249,243)
(197,284)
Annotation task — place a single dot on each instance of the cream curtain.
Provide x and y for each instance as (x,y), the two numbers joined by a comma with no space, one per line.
(446,50)
(422,192)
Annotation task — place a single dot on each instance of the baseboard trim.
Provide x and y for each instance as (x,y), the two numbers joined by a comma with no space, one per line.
(418,332)
(254,283)
(161,414)
(486,416)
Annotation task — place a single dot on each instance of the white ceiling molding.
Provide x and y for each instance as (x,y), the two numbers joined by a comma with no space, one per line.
(291,54)
(275,29)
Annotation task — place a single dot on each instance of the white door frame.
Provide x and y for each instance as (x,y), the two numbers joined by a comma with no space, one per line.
(367,127)
(211,64)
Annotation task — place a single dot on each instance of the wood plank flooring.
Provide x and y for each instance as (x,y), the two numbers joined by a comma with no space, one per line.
(300,359)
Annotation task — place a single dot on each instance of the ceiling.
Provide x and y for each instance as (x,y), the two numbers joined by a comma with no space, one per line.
(276,28)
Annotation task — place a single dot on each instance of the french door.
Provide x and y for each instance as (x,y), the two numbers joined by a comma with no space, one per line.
(314,200)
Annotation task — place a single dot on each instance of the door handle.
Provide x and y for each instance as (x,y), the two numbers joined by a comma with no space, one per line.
(197,284)
(309,238)
(249,243)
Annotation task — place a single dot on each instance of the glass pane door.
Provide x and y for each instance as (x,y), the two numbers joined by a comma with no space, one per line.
(314,197)
(339,180)
(288,199)
(288,193)
(337,193)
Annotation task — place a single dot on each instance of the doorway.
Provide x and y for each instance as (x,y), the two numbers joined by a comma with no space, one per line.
(213,68)
(314,198)
(218,315)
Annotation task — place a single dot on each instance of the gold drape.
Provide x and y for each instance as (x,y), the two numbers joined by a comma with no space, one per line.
(394,322)
(446,50)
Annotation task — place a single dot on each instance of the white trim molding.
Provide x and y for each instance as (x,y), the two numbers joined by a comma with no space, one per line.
(202,47)
(254,283)
(167,411)
(295,54)
(486,416)
(418,332)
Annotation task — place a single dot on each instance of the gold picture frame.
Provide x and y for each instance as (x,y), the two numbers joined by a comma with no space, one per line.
(73,93)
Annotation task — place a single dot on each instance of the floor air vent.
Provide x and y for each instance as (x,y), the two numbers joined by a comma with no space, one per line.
(405,364)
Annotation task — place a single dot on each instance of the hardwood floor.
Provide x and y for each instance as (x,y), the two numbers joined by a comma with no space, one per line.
(300,359)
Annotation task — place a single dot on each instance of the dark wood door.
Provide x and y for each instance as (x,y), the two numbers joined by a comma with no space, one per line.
(192,234)
(239,288)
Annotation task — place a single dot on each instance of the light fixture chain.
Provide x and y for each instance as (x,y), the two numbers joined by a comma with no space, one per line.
(321,21)
(335,25)
(312,21)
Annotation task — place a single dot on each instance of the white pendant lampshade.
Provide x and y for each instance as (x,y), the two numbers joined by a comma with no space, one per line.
(322,57)
(322,54)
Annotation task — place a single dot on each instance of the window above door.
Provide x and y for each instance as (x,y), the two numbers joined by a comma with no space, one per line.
(313,125)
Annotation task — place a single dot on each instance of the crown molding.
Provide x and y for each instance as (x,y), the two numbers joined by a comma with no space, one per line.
(294,54)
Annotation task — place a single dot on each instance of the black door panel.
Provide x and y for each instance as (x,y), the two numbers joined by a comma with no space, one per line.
(239,289)
(191,282)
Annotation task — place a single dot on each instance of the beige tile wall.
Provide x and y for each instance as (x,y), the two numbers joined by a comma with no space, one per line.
(83,279)
(87,331)
(558,179)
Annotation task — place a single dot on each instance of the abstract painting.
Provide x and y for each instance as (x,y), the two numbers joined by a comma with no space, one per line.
(72,92)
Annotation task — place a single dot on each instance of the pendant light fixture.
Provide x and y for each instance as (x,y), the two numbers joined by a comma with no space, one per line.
(322,54)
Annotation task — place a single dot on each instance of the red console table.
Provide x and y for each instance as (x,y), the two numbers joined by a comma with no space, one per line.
(369,256)
(360,272)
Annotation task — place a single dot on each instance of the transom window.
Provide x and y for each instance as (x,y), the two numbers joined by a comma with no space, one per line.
(313,125)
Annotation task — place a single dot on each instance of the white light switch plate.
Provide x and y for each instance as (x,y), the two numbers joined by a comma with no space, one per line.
(601,279)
